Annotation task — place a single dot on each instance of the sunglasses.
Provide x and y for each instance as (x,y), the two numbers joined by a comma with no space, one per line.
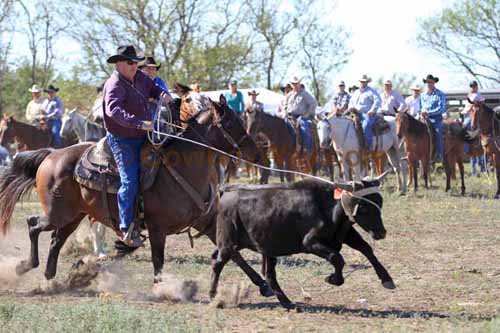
(131,63)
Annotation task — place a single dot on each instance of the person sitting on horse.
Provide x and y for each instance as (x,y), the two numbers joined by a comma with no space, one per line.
(301,106)
(234,98)
(413,102)
(392,101)
(433,103)
(473,96)
(150,68)
(339,103)
(126,119)
(280,110)
(254,104)
(364,103)
(34,107)
(52,110)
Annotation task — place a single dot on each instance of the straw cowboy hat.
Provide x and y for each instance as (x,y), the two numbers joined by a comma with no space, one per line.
(125,53)
(431,77)
(295,79)
(150,62)
(253,92)
(365,78)
(35,89)
(416,88)
(51,88)
(387,82)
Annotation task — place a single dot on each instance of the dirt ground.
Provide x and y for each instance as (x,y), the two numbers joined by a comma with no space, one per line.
(442,250)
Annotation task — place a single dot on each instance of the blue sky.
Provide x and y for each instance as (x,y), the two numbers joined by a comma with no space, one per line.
(383,33)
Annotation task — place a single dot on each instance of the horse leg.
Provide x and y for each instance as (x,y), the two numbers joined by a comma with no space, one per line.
(329,162)
(98,234)
(36,225)
(413,167)
(354,240)
(461,168)
(425,170)
(58,238)
(497,169)
(447,170)
(395,160)
(219,260)
(270,267)
(157,240)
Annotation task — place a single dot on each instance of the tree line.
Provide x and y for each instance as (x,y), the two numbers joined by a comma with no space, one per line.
(201,41)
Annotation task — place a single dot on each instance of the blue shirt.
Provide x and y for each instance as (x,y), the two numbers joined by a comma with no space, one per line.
(365,100)
(433,102)
(53,108)
(160,83)
(236,103)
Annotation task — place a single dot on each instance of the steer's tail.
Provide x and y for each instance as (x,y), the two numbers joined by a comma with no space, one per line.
(17,181)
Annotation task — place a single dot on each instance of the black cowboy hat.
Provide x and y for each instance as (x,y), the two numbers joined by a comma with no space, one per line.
(149,62)
(253,92)
(124,53)
(51,88)
(286,86)
(431,77)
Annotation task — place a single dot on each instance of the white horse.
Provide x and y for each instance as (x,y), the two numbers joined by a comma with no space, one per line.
(76,124)
(341,131)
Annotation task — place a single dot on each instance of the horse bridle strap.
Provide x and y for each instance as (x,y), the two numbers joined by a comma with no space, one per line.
(230,139)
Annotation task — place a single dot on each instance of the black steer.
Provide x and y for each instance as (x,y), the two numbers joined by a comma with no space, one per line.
(281,220)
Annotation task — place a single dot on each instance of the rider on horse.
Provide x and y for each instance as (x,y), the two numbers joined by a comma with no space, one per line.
(339,103)
(392,100)
(34,107)
(150,68)
(126,118)
(301,106)
(365,102)
(52,109)
(433,107)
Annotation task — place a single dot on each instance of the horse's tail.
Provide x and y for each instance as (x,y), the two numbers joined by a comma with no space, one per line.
(17,181)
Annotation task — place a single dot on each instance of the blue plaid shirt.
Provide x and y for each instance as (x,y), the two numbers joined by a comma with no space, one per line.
(433,102)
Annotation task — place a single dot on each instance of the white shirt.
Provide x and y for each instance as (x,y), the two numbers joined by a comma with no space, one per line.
(414,105)
(391,101)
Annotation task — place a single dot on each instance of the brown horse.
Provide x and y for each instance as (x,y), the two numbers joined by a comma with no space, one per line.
(417,143)
(454,138)
(168,207)
(487,121)
(27,137)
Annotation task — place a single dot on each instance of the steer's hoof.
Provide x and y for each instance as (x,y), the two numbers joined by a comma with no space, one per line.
(22,267)
(265,290)
(335,280)
(389,284)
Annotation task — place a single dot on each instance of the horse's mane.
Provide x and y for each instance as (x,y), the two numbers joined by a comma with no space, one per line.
(415,127)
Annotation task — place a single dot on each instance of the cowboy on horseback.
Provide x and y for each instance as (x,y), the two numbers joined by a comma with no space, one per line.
(34,107)
(301,106)
(433,103)
(52,110)
(126,119)
(392,100)
(364,103)
(339,103)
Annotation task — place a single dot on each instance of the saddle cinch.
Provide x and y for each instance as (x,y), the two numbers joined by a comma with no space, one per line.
(97,169)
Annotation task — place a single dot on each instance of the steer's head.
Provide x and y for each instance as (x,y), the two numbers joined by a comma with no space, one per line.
(361,202)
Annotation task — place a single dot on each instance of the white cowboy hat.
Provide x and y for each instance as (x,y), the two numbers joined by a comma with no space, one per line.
(35,89)
(416,88)
(365,78)
(295,79)
(388,82)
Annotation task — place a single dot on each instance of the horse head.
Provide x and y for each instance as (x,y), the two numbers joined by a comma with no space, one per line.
(324,132)
(402,123)
(67,127)
(479,119)
(231,135)
(7,131)
(253,120)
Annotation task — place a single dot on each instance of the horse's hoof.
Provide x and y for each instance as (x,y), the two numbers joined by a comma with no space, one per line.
(265,290)
(389,284)
(334,280)
(49,275)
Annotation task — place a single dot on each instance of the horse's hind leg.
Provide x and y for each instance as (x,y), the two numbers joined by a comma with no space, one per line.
(36,225)
(59,237)
(461,168)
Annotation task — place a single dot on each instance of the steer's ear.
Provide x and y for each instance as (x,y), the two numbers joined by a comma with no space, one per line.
(345,186)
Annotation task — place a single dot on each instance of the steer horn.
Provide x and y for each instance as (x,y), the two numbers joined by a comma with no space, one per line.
(382,176)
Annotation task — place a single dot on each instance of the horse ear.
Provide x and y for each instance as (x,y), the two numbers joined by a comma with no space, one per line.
(222,99)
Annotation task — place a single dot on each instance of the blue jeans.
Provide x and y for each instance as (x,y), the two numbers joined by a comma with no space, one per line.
(478,160)
(437,122)
(55,128)
(306,135)
(126,153)
(367,122)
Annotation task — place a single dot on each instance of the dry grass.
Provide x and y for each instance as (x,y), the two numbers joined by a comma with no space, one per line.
(442,250)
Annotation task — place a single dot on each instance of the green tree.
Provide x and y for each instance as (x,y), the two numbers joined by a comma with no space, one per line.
(467,33)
